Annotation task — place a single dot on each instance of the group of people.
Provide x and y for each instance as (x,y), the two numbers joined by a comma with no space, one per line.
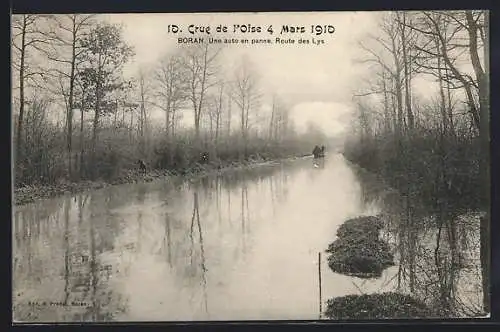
(319,152)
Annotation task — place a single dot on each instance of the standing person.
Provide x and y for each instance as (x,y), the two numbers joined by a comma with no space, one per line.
(316,152)
(142,165)
(322,153)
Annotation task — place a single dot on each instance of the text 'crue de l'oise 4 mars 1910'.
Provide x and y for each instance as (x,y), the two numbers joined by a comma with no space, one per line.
(248,28)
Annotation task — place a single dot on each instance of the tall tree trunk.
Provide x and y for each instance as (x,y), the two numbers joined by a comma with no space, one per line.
(172,118)
(399,99)
(406,61)
(96,120)
(20,120)
(484,133)
(115,122)
(131,131)
(211,126)
(466,84)
(142,114)
(69,116)
(399,88)
(450,106)
(82,110)
(199,107)
(242,124)
(393,108)
(229,117)
(167,120)
(271,124)
(387,123)
(197,126)
(94,138)
(442,105)
(218,117)
(217,125)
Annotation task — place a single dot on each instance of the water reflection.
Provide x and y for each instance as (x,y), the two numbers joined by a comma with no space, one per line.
(102,246)
(202,263)
(437,254)
(242,245)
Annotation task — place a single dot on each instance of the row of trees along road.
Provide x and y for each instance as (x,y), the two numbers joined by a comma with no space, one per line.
(433,148)
(75,63)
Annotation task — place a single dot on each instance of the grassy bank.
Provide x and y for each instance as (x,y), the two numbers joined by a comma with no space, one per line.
(30,193)
(439,172)
(358,251)
(44,170)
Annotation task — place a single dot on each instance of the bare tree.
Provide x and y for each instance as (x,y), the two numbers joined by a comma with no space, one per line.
(389,46)
(482,77)
(279,123)
(229,115)
(143,120)
(245,94)
(380,83)
(200,62)
(468,24)
(27,39)
(407,39)
(171,81)
(215,103)
(66,33)
(439,44)
(430,24)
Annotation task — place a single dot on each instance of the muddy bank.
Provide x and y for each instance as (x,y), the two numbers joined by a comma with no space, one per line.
(31,193)
(358,251)
(377,306)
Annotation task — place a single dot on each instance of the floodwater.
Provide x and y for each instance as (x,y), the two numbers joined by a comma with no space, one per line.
(238,246)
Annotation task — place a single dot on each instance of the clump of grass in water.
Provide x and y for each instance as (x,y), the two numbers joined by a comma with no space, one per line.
(359,257)
(360,227)
(358,250)
(377,306)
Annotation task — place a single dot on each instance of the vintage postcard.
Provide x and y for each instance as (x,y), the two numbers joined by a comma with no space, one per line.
(250,166)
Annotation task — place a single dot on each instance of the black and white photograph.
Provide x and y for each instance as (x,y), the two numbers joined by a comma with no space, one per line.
(250,166)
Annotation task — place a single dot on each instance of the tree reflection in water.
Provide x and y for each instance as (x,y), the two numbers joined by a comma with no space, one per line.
(196,216)
(88,249)
(244,217)
(436,262)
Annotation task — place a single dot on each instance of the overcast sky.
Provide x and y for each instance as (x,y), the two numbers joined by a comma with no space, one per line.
(316,79)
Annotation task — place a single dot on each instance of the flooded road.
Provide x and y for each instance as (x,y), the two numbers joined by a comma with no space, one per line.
(239,246)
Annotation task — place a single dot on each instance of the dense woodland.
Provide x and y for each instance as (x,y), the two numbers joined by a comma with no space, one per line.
(434,149)
(75,63)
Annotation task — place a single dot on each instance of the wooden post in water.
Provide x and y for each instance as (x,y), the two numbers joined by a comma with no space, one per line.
(319,276)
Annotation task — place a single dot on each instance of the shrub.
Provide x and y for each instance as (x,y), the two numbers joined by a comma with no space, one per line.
(360,227)
(358,251)
(361,257)
(441,172)
(377,306)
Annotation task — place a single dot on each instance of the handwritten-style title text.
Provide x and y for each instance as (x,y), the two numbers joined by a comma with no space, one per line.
(193,29)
